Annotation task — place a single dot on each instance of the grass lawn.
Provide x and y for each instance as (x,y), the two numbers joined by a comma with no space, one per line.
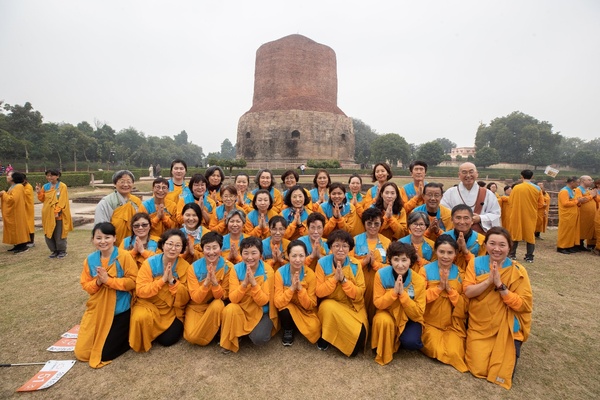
(42,298)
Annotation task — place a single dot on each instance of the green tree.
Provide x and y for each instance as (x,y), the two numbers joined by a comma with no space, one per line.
(446,144)
(568,148)
(587,160)
(181,139)
(486,156)
(431,152)
(227,150)
(390,147)
(520,138)
(25,124)
(364,135)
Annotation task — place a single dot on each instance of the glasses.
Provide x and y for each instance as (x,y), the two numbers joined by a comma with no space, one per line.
(418,225)
(338,246)
(433,195)
(373,224)
(174,245)
(228,197)
(138,226)
(125,182)
(161,188)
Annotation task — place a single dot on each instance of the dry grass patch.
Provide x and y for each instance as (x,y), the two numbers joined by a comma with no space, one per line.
(42,298)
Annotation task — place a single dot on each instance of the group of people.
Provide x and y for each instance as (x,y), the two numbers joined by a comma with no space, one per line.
(390,268)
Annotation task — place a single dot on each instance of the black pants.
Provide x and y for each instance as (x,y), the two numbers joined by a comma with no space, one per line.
(117,341)
(172,334)
(287,322)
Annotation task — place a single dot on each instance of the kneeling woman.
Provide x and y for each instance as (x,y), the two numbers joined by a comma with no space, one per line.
(341,286)
(399,295)
(251,311)
(208,284)
(444,330)
(499,310)
(109,276)
(295,296)
(162,295)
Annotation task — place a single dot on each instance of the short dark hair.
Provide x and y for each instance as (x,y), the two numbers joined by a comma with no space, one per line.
(340,235)
(527,174)
(433,185)
(489,185)
(287,200)
(211,170)
(262,191)
(417,162)
(355,176)
(196,209)
(277,218)
(105,227)
(229,188)
(446,239)
(18,177)
(197,178)
(296,243)
(397,248)
(173,232)
(53,171)
(160,180)
(177,161)
(370,214)
(211,237)
(460,207)
(498,230)
(288,173)
(316,216)
(417,215)
(251,241)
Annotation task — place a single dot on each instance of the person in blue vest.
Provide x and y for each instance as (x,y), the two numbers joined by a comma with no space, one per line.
(264,180)
(418,222)
(418,170)
(162,211)
(198,194)
(470,242)
(319,193)
(316,246)
(297,210)
(399,295)
(140,245)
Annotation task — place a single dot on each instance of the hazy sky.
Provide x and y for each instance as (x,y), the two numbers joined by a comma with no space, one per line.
(422,69)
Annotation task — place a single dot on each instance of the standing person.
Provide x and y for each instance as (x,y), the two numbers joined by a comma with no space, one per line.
(399,295)
(162,211)
(154,171)
(382,173)
(542,216)
(109,277)
(418,170)
(295,296)
(162,295)
(177,186)
(321,183)
(56,213)
(500,308)
(151,171)
(444,327)
(341,287)
(568,218)
(264,180)
(526,198)
(119,206)
(215,177)
(251,291)
(208,284)
(483,203)
(29,212)
(587,211)
(302,168)
(505,207)
(15,232)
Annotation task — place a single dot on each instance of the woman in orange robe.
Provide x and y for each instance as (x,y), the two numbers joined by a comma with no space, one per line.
(15,231)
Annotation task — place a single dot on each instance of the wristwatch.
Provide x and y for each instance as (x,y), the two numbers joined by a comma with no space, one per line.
(173,281)
(501,288)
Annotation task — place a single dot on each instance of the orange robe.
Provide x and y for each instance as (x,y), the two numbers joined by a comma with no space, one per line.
(542,216)
(248,305)
(444,327)
(525,199)
(55,201)
(203,312)
(342,309)
(158,303)
(29,210)
(568,219)
(122,215)
(302,304)
(100,307)
(393,311)
(587,212)
(15,230)
(505,211)
(496,321)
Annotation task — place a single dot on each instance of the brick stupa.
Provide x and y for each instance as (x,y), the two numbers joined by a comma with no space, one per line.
(294,115)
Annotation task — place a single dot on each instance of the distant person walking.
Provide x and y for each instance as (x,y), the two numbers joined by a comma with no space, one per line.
(56,213)
(15,230)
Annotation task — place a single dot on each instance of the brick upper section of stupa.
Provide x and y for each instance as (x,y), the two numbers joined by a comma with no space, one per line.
(295,73)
